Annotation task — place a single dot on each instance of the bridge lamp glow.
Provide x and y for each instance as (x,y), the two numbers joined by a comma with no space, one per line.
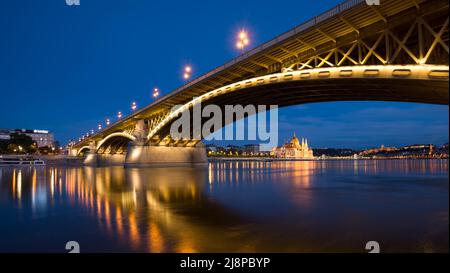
(99,127)
(155,92)
(108,122)
(133,106)
(243,40)
(92,131)
(119,115)
(187,72)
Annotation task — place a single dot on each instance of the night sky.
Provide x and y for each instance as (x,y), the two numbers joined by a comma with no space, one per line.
(66,68)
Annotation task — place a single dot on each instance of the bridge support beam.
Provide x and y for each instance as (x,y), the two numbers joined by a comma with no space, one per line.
(149,156)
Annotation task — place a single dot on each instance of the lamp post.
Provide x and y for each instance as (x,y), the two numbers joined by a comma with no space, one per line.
(187,72)
(243,40)
(155,92)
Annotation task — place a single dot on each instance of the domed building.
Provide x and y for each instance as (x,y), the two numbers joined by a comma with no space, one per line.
(293,149)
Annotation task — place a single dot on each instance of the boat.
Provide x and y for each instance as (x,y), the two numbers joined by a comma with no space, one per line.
(21,161)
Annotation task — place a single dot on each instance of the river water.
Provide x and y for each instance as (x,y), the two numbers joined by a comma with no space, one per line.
(246,206)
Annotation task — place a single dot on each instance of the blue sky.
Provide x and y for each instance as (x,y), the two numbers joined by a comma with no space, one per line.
(68,68)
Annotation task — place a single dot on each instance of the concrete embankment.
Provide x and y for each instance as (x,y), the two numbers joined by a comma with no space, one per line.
(62,160)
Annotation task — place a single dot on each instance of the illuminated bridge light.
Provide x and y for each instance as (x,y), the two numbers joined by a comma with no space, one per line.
(155,92)
(243,40)
(187,72)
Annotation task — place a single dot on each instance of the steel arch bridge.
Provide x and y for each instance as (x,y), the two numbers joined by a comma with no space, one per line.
(397,51)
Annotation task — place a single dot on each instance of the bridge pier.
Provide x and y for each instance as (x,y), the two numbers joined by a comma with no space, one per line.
(93,159)
(149,156)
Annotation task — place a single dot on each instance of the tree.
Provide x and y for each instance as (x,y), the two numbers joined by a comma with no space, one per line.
(21,143)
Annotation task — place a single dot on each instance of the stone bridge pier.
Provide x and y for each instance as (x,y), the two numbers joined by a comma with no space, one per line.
(142,153)
(135,151)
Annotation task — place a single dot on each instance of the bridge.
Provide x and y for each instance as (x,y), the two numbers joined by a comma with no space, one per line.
(396,51)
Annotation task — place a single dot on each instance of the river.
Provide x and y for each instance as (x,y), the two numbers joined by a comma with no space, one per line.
(245,206)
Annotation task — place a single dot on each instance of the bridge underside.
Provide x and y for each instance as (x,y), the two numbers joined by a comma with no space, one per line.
(290,93)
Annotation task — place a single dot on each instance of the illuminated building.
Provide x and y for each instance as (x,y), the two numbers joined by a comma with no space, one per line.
(378,150)
(294,149)
(41,137)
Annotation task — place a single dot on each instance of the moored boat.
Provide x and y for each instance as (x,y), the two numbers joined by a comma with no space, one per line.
(19,161)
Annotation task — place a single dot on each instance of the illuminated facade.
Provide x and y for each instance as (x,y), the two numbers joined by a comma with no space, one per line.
(43,138)
(294,149)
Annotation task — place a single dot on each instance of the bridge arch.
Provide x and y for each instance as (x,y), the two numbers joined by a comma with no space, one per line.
(402,83)
(114,143)
(83,150)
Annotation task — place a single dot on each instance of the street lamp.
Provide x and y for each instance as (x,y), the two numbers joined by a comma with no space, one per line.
(119,115)
(155,92)
(187,72)
(133,106)
(99,127)
(243,40)
(108,122)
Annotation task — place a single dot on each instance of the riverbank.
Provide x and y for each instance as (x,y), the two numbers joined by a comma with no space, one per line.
(269,159)
(60,160)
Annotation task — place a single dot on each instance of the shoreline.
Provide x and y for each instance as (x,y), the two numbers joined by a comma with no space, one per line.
(268,159)
(71,161)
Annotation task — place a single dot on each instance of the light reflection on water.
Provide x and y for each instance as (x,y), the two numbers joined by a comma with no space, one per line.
(245,206)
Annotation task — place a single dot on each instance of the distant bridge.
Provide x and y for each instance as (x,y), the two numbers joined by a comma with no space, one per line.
(397,51)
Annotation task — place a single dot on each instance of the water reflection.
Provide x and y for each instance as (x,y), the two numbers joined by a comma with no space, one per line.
(233,206)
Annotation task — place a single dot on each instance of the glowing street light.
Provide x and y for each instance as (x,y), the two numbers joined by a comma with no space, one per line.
(187,72)
(133,106)
(119,115)
(92,131)
(243,40)
(99,127)
(155,92)
(108,122)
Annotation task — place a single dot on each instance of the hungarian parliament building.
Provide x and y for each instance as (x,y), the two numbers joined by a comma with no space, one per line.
(294,149)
